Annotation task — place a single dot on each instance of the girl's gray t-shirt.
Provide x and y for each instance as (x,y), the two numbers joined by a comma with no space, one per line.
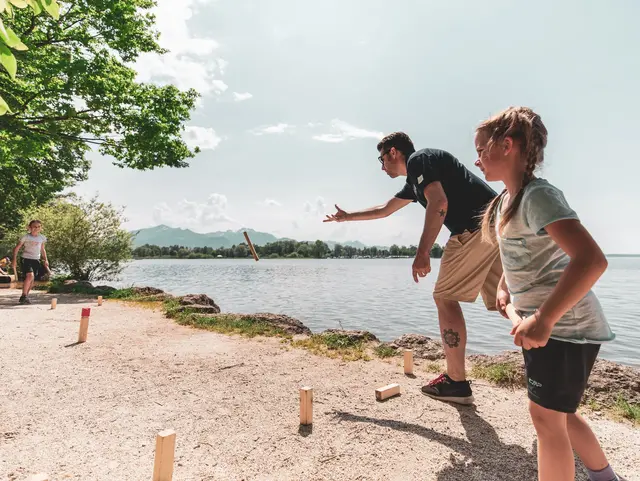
(32,246)
(533,264)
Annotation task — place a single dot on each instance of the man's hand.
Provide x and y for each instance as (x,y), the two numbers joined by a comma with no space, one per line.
(421,266)
(503,298)
(339,216)
(46,266)
(531,333)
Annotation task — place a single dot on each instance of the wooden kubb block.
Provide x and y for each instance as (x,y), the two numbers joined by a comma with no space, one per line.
(84,325)
(387,391)
(306,406)
(408,361)
(165,453)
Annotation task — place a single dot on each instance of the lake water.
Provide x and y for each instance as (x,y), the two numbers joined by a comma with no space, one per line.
(378,295)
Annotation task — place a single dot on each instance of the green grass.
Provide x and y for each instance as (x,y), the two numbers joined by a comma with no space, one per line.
(627,410)
(334,346)
(384,351)
(500,373)
(244,325)
(434,367)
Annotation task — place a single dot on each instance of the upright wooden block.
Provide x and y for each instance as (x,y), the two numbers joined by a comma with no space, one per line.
(387,391)
(165,452)
(408,361)
(54,303)
(84,325)
(306,405)
(99,300)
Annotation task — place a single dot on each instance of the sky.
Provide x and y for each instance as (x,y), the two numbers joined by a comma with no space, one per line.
(296,95)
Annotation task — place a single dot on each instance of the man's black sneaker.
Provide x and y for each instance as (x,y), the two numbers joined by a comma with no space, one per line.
(446,389)
(23,300)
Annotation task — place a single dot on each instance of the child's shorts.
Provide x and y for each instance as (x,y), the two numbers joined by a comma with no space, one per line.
(557,373)
(30,265)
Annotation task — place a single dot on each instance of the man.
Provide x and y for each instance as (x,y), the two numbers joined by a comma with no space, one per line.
(455,197)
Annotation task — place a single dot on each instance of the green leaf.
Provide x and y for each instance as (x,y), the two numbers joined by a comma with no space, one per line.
(19,3)
(8,61)
(52,8)
(12,40)
(3,31)
(35,5)
(4,108)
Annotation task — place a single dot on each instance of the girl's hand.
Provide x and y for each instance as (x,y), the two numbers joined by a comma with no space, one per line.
(503,299)
(531,333)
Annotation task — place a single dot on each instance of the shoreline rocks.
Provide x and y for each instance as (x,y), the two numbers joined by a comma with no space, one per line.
(423,347)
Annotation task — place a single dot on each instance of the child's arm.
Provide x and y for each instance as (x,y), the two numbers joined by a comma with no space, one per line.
(586,266)
(44,256)
(15,257)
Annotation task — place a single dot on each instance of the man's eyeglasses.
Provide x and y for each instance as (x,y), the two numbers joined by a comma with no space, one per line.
(381,157)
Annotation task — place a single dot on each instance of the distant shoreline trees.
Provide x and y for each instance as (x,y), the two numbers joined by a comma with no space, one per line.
(280,249)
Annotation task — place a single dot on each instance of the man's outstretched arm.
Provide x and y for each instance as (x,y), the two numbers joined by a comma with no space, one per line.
(378,212)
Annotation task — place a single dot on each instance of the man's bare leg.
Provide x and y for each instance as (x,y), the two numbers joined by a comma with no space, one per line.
(452,386)
(454,337)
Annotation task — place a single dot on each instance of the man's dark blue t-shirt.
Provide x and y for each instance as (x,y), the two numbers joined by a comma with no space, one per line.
(467,195)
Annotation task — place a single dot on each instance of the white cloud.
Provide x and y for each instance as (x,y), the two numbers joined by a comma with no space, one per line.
(202,137)
(190,62)
(239,97)
(316,208)
(212,214)
(280,128)
(314,124)
(341,131)
(271,203)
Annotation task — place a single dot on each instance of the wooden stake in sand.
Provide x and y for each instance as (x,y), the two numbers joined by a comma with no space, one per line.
(408,361)
(84,325)
(99,300)
(387,391)
(306,406)
(54,303)
(165,450)
(39,477)
(253,250)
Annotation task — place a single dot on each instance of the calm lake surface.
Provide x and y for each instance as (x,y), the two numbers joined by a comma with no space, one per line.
(378,295)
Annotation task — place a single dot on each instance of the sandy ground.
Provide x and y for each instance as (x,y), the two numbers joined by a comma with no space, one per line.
(91,411)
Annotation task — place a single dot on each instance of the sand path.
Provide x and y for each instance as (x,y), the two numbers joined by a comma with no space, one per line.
(91,411)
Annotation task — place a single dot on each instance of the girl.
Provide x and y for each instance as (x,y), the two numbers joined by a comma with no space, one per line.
(33,243)
(550,263)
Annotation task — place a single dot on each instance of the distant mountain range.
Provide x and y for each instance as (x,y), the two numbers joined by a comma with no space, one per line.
(165,236)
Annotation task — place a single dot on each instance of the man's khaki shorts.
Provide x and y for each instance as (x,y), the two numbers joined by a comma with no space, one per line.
(469,267)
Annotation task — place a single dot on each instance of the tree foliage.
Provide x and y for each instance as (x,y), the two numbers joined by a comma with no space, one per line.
(75,91)
(281,248)
(85,239)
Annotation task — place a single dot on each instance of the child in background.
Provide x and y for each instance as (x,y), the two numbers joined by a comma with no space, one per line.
(33,243)
(550,263)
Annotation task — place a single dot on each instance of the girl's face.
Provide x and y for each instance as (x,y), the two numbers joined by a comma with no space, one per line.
(495,162)
(34,229)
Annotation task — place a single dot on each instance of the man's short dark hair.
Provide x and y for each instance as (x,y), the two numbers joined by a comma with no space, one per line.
(400,141)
